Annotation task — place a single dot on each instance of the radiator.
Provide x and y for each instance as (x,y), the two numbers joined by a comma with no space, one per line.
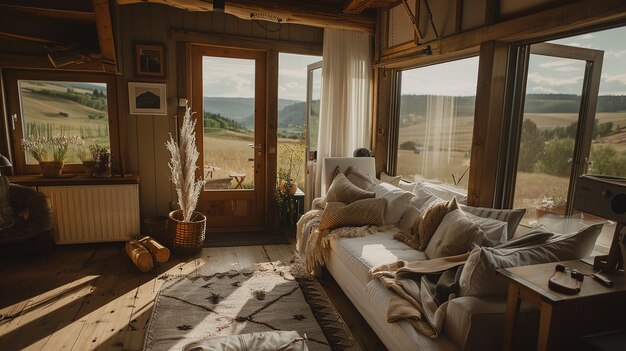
(94,213)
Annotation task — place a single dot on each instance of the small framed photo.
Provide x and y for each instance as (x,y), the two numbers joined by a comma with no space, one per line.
(147,98)
(150,60)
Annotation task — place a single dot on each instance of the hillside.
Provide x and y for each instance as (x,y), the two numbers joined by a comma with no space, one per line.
(238,109)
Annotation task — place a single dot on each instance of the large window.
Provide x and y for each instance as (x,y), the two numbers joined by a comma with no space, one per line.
(436,121)
(46,105)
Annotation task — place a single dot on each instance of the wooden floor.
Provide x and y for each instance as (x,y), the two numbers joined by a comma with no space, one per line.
(92,297)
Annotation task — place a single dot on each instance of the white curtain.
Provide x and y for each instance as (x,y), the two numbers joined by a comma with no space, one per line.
(345,110)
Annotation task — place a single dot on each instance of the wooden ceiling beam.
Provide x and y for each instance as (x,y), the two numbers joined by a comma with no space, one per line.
(61,5)
(104,28)
(51,13)
(42,62)
(305,13)
(355,7)
(21,37)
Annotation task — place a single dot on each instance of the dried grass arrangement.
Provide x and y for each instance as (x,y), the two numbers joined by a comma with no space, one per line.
(183,158)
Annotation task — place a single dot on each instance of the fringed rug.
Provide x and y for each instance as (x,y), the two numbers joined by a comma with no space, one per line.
(190,308)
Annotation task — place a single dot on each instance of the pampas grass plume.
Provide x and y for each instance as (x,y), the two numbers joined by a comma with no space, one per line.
(183,158)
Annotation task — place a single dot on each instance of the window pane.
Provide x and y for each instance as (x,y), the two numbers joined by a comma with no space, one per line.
(228,122)
(292,90)
(56,108)
(436,122)
(549,128)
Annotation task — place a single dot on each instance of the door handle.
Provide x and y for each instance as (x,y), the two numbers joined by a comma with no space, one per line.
(13,120)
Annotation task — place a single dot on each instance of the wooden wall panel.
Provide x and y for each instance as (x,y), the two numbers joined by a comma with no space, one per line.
(146,135)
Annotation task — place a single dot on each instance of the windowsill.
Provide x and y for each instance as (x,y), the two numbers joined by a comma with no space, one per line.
(72,179)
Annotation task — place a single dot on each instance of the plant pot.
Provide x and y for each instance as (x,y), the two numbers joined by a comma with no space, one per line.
(89,167)
(186,237)
(51,168)
(102,167)
(542,211)
(292,189)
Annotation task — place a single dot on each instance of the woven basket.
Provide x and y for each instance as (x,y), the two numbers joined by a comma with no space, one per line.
(186,237)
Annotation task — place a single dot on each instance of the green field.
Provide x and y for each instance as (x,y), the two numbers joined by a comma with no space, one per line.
(46,115)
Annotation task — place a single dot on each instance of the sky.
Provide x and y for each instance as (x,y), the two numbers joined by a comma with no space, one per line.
(546,74)
(226,77)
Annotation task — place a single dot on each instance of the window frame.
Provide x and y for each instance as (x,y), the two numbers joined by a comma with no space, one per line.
(14,106)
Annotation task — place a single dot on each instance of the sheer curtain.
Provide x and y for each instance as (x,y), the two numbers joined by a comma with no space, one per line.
(345,110)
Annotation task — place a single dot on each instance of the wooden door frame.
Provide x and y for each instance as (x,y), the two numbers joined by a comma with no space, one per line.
(259,195)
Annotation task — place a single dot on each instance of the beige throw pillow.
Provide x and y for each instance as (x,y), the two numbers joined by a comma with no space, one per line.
(431,218)
(397,201)
(359,213)
(454,236)
(408,226)
(342,190)
(393,180)
(359,178)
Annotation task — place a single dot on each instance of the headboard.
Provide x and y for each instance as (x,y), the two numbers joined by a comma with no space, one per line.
(364,164)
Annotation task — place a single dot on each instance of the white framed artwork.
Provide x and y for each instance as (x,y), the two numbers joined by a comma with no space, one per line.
(147,98)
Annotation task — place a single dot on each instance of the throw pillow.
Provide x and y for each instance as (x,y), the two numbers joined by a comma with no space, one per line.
(446,191)
(358,178)
(408,227)
(495,230)
(422,197)
(454,236)
(359,213)
(512,217)
(393,180)
(407,186)
(431,218)
(397,200)
(478,275)
(7,215)
(342,190)
(534,237)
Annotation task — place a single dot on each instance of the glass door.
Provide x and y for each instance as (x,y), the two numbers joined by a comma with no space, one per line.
(557,110)
(313,97)
(228,88)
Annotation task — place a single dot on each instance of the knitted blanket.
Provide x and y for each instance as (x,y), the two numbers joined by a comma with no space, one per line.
(421,290)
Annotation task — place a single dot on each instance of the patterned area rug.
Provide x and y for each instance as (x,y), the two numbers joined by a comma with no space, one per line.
(190,308)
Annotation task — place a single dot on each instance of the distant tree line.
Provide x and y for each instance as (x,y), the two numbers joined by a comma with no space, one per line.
(550,151)
(216,121)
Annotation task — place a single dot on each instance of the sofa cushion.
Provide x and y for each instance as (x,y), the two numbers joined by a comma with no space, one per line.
(342,190)
(431,218)
(397,200)
(478,276)
(455,235)
(512,217)
(393,180)
(408,227)
(358,178)
(446,192)
(361,254)
(495,230)
(422,198)
(359,213)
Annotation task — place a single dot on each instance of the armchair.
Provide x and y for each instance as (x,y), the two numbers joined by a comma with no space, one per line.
(34,223)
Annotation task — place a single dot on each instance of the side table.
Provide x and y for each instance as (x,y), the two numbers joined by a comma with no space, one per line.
(563,318)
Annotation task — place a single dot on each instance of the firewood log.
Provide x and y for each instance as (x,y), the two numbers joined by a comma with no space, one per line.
(139,255)
(159,252)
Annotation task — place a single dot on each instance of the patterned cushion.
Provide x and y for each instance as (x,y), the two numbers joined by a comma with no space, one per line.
(342,190)
(359,213)
(395,181)
(409,223)
(431,218)
(7,215)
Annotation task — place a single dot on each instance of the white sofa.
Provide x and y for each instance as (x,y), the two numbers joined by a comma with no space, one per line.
(471,323)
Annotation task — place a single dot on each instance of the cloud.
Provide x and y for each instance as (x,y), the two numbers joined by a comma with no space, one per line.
(542,90)
(620,78)
(555,63)
(540,79)
(587,36)
(567,69)
(615,53)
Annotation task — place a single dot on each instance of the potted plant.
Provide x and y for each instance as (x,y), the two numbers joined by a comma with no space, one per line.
(186,227)
(86,157)
(552,203)
(102,161)
(50,152)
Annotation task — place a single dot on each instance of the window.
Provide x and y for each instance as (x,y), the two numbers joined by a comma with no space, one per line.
(46,104)
(436,121)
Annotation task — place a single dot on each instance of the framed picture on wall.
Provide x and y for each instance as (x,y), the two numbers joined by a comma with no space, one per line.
(147,98)
(150,60)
